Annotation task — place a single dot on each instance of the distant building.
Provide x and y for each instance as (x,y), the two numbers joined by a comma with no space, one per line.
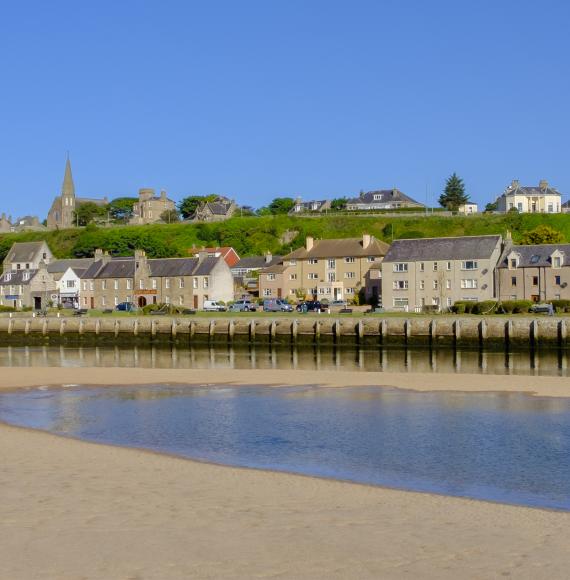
(538,273)
(382,200)
(468,208)
(62,211)
(309,206)
(150,207)
(5,224)
(530,199)
(215,211)
(246,266)
(230,256)
(566,207)
(437,272)
(26,223)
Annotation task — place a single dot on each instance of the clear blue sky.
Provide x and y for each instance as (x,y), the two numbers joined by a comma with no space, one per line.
(261,98)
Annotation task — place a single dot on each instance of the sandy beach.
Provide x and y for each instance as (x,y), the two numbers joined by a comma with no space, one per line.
(75,510)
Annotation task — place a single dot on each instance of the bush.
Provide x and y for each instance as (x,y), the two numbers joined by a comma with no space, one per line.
(561,305)
(515,306)
(151,308)
(7,309)
(463,307)
(485,307)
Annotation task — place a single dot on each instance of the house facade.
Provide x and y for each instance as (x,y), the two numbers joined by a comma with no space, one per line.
(184,282)
(309,206)
(332,269)
(215,211)
(468,208)
(530,199)
(382,199)
(539,273)
(150,207)
(67,276)
(437,272)
(230,256)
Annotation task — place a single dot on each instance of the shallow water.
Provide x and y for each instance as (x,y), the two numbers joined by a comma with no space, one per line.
(425,360)
(503,447)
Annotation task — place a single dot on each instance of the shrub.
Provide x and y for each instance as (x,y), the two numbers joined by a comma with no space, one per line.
(515,306)
(561,305)
(7,309)
(485,307)
(151,308)
(463,307)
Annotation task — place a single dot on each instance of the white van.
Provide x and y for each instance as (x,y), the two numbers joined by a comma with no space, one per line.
(213,306)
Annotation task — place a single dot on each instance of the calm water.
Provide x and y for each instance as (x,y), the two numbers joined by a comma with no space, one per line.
(548,362)
(503,447)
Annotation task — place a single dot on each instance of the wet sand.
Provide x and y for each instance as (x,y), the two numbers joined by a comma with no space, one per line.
(71,509)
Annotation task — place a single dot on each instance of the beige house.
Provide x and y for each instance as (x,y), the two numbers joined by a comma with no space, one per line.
(382,199)
(468,208)
(530,199)
(537,273)
(313,206)
(184,282)
(323,269)
(437,272)
(150,207)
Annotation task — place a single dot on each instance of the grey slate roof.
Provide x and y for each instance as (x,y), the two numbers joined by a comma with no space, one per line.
(537,256)
(17,277)
(387,196)
(340,248)
(219,208)
(432,249)
(256,262)
(530,190)
(24,251)
(60,266)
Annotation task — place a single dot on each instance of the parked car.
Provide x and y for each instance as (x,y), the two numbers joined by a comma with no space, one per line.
(338,304)
(214,306)
(277,305)
(126,307)
(309,306)
(542,309)
(243,306)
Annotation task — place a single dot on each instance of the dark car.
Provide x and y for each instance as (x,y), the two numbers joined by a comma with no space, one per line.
(126,307)
(309,306)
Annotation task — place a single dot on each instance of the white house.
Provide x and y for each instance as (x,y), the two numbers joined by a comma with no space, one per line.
(530,199)
(468,208)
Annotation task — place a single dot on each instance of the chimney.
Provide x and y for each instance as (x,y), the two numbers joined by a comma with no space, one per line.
(515,184)
(98,254)
(309,243)
(163,195)
(202,255)
(366,240)
(146,193)
(268,257)
(543,184)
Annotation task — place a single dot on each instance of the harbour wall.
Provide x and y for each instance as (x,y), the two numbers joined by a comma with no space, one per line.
(481,332)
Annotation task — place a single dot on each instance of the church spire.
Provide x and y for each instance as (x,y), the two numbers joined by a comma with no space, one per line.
(68,188)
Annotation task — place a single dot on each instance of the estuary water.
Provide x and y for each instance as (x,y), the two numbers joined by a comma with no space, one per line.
(504,447)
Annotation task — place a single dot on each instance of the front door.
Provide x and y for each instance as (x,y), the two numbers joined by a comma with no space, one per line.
(92,302)
(142,302)
(278,292)
(37,303)
(195,302)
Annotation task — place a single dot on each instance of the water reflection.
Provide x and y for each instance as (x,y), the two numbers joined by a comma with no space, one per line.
(552,362)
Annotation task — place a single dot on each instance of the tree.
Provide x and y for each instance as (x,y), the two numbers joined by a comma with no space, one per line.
(454,193)
(542,235)
(170,216)
(121,208)
(339,203)
(88,212)
(281,205)
(491,207)
(188,206)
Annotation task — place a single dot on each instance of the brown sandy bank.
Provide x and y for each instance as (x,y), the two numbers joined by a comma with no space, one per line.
(74,510)
(15,377)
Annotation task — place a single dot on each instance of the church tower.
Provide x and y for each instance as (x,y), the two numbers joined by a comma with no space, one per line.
(67,198)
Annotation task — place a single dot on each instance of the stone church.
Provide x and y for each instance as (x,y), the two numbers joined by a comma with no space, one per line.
(62,212)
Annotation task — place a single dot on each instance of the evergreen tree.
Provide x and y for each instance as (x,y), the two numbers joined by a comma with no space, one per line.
(454,193)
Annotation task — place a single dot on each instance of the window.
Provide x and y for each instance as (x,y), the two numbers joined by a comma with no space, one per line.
(449,302)
(181,300)
(513,281)
(8,277)
(513,263)
(534,259)
(292,262)
(313,261)
(557,280)
(535,280)
(271,276)
(350,260)
(448,266)
(400,267)
(195,283)
(331,264)
(102,300)
(180,282)
(154,283)
(435,284)
(167,283)
(103,284)
(469,283)
(422,267)
(520,206)
(550,208)
(27,266)
(435,301)
(331,276)
(116,284)
(469,265)
(349,290)
(91,285)
(422,284)
(69,284)
(448,284)
(400,302)
(26,277)
(371,259)
(400,284)
(18,266)
(312,276)
(116,300)
(84,285)
(267,291)
(205,282)
(293,291)
(349,275)
(435,266)
(292,276)
(129,284)
(167,299)
(557,262)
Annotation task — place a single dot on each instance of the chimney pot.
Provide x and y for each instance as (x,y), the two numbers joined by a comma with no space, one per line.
(309,243)
(543,184)
(366,240)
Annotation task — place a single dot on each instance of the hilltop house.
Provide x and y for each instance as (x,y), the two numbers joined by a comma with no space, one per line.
(437,272)
(309,206)
(215,211)
(150,207)
(382,200)
(530,199)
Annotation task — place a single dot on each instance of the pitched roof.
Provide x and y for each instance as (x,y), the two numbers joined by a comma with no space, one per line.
(17,277)
(257,262)
(431,249)
(340,248)
(274,269)
(75,263)
(218,208)
(536,256)
(24,251)
(539,190)
(227,252)
(386,196)
(68,187)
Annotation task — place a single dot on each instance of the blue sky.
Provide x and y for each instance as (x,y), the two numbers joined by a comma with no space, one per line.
(260,98)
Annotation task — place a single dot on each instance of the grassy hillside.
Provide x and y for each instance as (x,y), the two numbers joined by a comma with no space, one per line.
(278,234)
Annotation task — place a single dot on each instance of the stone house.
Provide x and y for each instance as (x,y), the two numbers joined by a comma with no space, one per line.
(150,207)
(383,199)
(437,272)
(215,211)
(530,199)
(184,282)
(27,256)
(323,269)
(539,273)
(301,206)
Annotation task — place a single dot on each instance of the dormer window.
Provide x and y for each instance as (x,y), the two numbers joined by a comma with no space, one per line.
(557,261)
(26,276)
(377,197)
(8,277)
(534,259)
(513,263)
